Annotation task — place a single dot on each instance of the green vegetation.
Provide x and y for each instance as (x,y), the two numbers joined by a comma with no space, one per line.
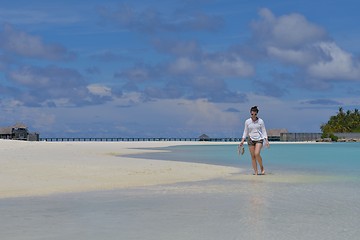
(331,136)
(342,123)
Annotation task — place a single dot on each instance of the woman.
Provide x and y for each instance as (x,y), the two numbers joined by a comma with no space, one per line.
(255,131)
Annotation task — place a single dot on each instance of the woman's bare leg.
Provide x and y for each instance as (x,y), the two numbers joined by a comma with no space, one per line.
(257,150)
(253,159)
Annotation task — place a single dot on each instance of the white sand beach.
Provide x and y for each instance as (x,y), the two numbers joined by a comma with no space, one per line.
(43,168)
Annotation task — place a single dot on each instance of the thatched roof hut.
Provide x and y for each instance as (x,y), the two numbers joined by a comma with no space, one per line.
(18,131)
(6,130)
(276,132)
(204,137)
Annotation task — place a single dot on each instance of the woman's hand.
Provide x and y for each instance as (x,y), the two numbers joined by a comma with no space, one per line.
(267,144)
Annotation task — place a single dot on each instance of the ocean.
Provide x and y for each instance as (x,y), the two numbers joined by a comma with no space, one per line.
(315,158)
(310,191)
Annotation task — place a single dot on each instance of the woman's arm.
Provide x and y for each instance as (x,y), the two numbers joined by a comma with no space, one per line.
(245,133)
(264,133)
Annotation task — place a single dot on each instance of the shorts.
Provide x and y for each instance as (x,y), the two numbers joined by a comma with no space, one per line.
(253,142)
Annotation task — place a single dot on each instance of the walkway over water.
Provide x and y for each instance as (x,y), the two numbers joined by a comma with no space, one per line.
(144,139)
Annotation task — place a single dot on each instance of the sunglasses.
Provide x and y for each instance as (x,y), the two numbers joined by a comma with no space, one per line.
(253,114)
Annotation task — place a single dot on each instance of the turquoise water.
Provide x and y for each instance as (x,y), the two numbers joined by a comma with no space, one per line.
(329,158)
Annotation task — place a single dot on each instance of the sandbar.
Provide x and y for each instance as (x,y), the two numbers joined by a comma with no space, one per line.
(43,168)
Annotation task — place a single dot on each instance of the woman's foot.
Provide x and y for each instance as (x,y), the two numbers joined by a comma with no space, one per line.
(262,171)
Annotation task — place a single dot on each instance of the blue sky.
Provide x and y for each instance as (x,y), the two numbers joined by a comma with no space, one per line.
(176,68)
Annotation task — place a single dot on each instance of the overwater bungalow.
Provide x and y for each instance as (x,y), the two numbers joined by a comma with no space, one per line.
(18,131)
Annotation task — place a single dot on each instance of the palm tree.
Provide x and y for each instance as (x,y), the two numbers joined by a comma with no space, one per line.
(343,122)
(341,111)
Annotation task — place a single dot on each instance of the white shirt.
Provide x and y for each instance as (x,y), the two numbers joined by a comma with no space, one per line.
(255,129)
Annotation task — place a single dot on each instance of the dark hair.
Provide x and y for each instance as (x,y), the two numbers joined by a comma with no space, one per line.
(254,109)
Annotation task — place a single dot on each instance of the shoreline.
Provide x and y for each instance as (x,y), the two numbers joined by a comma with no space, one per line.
(44,168)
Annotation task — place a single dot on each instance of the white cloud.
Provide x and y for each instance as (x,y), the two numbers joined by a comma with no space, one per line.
(228,66)
(27,45)
(340,64)
(287,31)
(128,99)
(100,90)
(207,116)
(28,76)
(214,66)
(183,65)
(47,77)
(54,86)
(37,119)
(294,56)
(295,41)
(187,117)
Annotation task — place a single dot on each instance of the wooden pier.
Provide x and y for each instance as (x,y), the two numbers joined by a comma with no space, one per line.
(76,139)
